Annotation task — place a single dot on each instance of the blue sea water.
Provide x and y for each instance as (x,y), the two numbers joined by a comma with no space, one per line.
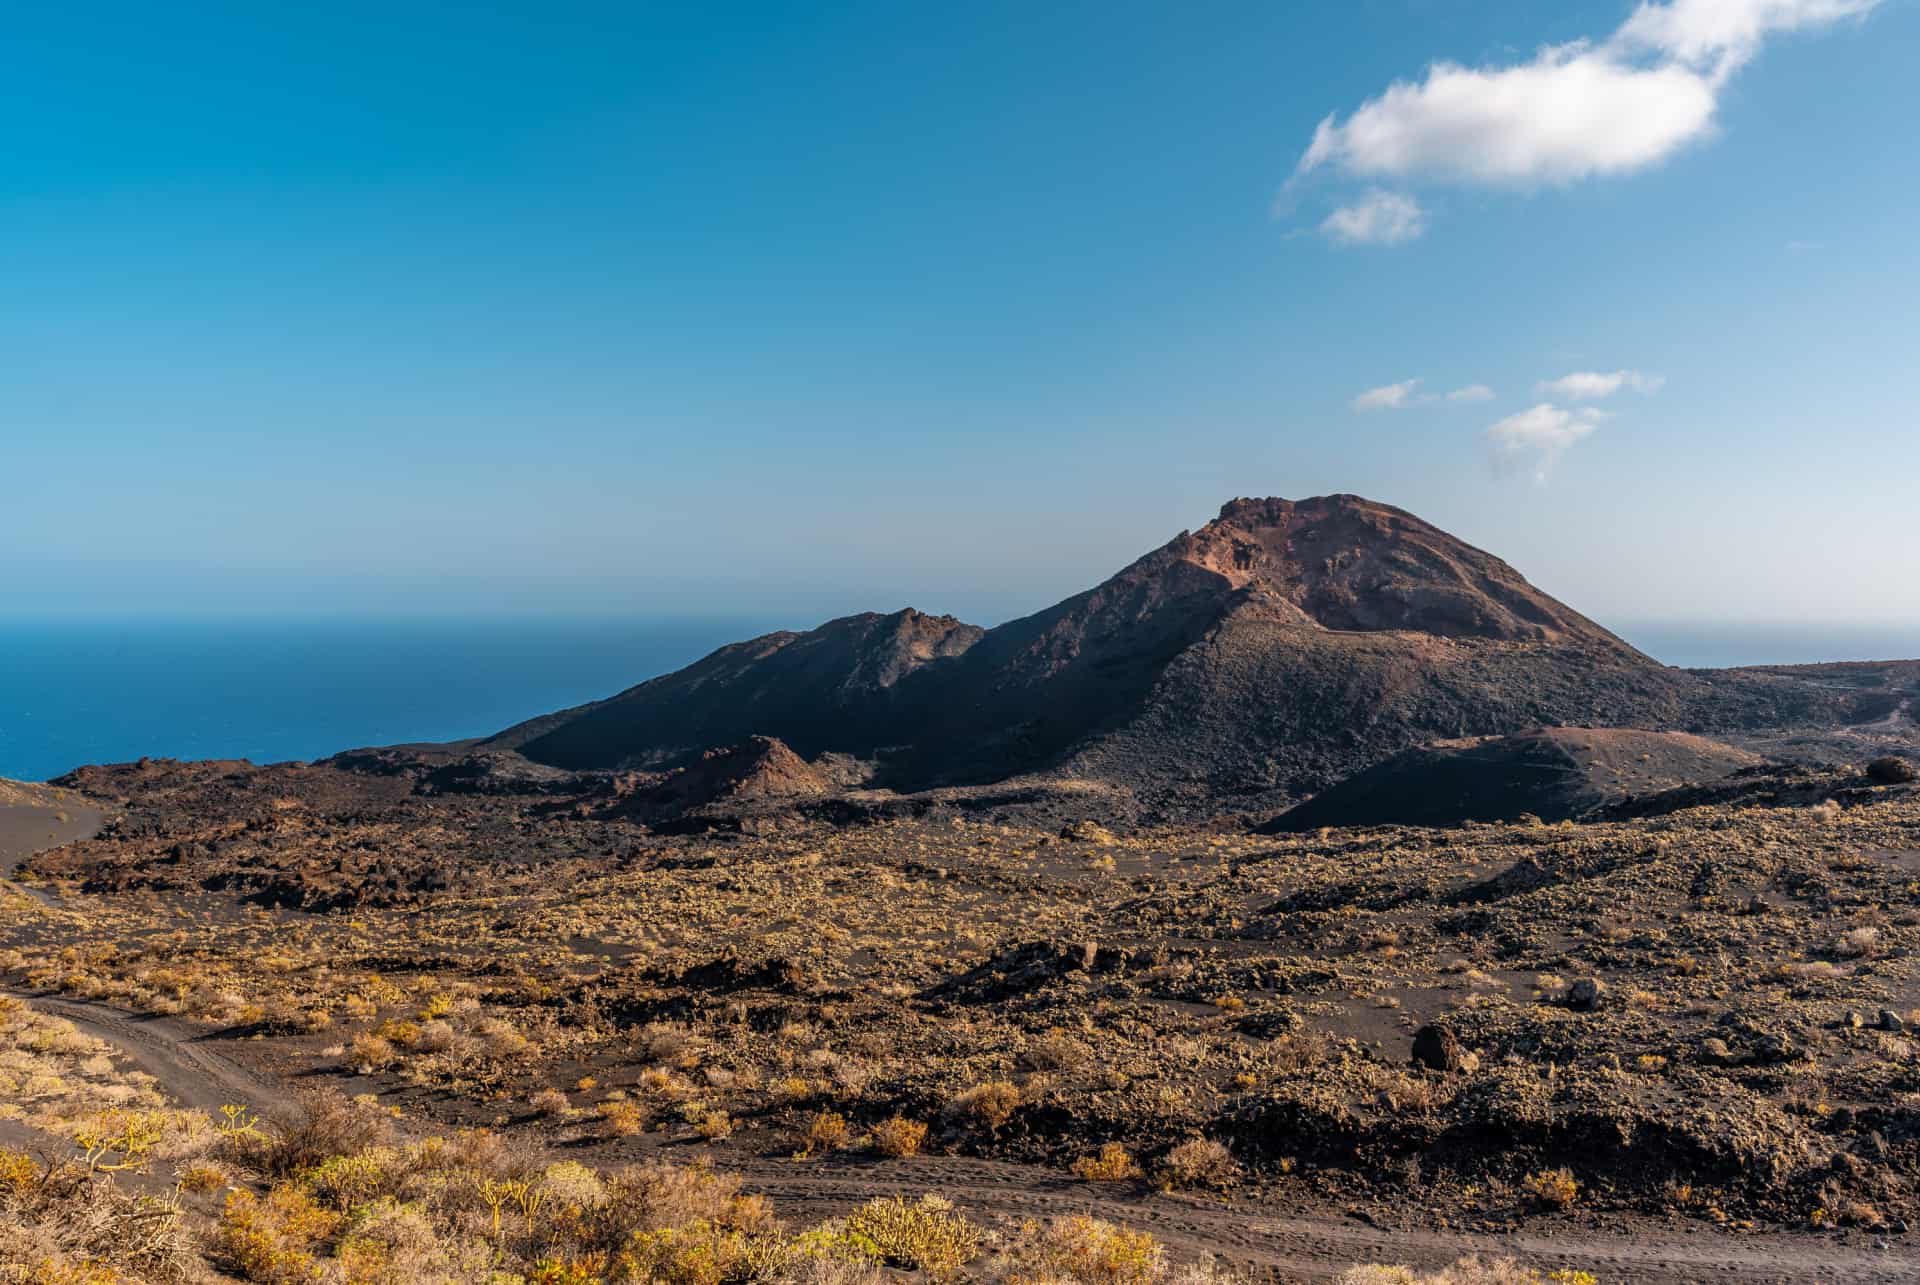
(75,692)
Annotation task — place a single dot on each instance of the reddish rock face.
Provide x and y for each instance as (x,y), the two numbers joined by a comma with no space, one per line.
(1350,564)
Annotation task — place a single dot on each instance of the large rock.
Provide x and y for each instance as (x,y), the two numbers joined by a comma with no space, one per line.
(1438,1049)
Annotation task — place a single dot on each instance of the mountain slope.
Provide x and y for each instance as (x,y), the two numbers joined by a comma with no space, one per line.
(831,688)
(1279,648)
(1552,773)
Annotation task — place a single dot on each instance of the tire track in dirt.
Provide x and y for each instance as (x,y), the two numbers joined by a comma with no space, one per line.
(1320,1248)
(195,1075)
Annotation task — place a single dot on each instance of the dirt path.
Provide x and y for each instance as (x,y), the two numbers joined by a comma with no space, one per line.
(179,1059)
(1319,1247)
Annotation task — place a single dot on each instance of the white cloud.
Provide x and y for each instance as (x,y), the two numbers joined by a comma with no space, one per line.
(1388,397)
(1573,111)
(1722,34)
(1471,393)
(1539,436)
(1592,385)
(1378,218)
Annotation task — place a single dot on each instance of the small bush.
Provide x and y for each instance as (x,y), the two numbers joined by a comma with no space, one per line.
(326,1126)
(549,1103)
(621,1118)
(1552,1188)
(1200,1162)
(927,1236)
(370,1053)
(826,1132)
(713,1125)
(899,1137)
(1113,1163)
(1086,1251)
(992,1103)
(1857,943)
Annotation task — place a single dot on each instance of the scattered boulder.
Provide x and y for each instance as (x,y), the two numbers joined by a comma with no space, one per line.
(1892,1021)
(1586,994)
(1715,1051)
(1437,1048)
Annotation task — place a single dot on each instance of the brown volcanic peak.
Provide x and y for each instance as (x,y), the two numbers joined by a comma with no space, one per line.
(759,771)
(822,689)
(1351,564)
(1283,645)
(1280,648)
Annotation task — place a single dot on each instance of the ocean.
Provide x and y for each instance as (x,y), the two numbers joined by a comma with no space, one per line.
(76,692)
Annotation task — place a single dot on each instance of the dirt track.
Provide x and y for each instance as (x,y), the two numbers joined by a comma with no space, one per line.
(182,1061)
(1319,1247)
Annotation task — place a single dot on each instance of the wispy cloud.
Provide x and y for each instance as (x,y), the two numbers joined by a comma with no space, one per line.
(1378,218)
(1471,393)
(1592,385)
(1574,111)
(1537,437)
(1388,396)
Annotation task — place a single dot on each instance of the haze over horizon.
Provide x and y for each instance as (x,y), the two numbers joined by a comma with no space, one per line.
(758,311)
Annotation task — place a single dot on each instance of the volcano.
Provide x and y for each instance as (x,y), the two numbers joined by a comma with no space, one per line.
(1283,646)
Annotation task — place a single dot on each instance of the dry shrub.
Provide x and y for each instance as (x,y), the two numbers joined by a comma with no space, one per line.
(665,1042)
(899,1137)
(1892,770)
(326,1125)
(1055,1051)
(549,1102)
(827,1131)
(1200,1162)
(656,1196)
(926,1236)
(371,1053)
(1113,1163)
(66,1226)
(713,1125)
(992,1103)
(1085,1251)
(1298,1051)
(621,1118)
(1552,1188)
(1857,943)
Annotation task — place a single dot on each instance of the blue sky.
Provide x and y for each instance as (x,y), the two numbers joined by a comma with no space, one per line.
(798,309)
